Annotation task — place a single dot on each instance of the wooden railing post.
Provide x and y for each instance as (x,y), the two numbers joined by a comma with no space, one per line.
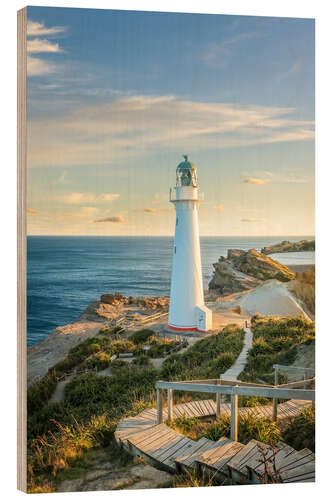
(159,406)
(275,401)
(218,398)
(234,414)
(170,405)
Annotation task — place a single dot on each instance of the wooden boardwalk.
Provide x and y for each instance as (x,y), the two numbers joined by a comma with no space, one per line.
(170,450)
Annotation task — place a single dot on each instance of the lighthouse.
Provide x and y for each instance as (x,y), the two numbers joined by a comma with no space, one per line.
(187,310)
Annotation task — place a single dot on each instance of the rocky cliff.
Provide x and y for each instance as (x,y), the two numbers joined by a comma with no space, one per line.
(242,270)
(288,246)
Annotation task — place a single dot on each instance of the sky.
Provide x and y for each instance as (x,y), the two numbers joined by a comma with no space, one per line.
(115,98)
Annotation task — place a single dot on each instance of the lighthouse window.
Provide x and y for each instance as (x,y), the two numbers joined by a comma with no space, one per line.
(175,249)
(176,221)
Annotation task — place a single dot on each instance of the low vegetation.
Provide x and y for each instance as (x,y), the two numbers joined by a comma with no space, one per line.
(249,427)
(275,341)
(40,392)
(61,434)
(300,431)
(207,358)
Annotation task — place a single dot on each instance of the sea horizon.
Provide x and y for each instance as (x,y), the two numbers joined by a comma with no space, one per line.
(66,273)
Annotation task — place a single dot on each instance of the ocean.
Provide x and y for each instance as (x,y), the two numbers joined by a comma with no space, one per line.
(66,273)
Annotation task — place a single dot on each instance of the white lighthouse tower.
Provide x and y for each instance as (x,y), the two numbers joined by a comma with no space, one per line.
(187,308)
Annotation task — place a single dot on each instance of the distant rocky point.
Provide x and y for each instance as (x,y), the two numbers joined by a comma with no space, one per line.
(243,270)
(288,246)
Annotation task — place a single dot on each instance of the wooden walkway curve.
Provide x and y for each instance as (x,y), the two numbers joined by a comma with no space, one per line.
(167,449)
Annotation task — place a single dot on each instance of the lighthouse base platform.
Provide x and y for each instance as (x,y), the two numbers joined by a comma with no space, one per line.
(186,332)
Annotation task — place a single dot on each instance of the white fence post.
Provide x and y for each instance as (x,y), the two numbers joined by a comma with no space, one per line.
(218,399)
(159,406)
(234,414)
(170,405)
(275,401)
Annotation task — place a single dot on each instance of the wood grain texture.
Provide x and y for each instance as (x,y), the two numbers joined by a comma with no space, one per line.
(21,249)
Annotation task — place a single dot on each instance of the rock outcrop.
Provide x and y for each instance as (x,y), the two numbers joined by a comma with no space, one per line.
(150,303)
(288,246)
(243,270)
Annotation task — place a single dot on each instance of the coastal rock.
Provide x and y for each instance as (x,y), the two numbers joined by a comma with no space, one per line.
(242,270)
(288,246)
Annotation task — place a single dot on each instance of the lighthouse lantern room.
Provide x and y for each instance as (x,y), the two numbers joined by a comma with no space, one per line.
(187,308)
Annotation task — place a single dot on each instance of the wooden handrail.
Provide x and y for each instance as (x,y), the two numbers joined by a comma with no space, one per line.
(294,368)
(219,387)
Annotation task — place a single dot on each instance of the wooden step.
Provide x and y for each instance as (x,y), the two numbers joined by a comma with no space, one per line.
(305,472)
(188,461)
(238,464)
(274,457)
(122,435)
(217,458)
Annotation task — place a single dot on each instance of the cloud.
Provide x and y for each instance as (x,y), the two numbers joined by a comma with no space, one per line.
(32,211)
(38,45)
(152,211)
(115,218)
(252,219)
(254,180)
(132,127)
(218,53)
(80,198)
(219,207)
(156,211)
(38,29)
(155,202)
(36,66)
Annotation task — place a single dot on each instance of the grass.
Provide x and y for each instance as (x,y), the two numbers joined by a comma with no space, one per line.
(249,428)
(300,431)
(40,392)
(62,436)
(275,341)
(207,358)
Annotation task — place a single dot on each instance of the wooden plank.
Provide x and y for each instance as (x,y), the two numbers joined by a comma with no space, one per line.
(212,405)
(197,445)
(177,412)
(239,461)
(206,446)
(294,460)
(177,447)
(307,469)
(155,430)
(123,435)
(163,441)
(174,446)
(230,452)
(197,408)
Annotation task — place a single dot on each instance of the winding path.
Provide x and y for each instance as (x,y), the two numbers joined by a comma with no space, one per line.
(233,372)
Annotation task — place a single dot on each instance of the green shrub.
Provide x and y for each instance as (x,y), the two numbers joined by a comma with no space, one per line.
(141,336)
(142,360)
(77,354)
(40,392)
(208,357)
(275,341)
(100,362)
(249,427)
(121,346)
(300,431)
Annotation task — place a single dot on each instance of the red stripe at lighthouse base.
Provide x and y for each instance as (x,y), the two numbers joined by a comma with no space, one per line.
(181,329)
